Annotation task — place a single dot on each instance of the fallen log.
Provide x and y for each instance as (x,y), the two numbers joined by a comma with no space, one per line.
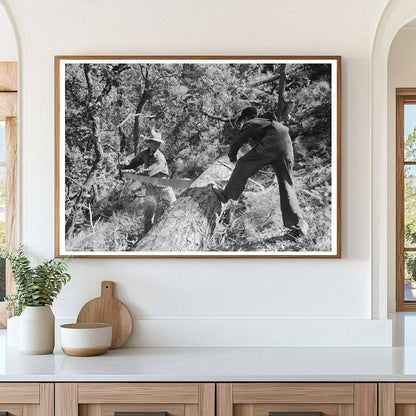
(189,223)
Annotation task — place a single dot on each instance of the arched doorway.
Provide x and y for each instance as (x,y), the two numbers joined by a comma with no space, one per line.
(396,14)
(8,149)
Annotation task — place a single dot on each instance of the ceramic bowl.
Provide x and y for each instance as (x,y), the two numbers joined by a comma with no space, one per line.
(83,340)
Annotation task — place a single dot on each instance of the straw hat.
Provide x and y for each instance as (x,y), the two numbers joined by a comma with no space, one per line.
(155,136)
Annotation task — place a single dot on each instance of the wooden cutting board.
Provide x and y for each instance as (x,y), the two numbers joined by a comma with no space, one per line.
(107,309)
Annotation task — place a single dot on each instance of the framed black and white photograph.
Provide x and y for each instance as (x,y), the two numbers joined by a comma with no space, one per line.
(198,156)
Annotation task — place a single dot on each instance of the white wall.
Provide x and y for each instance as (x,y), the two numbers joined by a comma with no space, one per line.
(182,300)
(401,74)
(8,47)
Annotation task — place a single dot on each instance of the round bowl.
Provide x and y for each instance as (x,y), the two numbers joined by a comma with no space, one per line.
(84,340)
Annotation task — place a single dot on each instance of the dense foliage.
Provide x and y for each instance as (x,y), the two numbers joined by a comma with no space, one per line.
(35,286)
(110,109)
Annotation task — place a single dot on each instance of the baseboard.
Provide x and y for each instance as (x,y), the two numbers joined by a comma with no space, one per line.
(247,332)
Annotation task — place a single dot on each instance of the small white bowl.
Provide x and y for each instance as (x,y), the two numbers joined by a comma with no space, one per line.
(84,340)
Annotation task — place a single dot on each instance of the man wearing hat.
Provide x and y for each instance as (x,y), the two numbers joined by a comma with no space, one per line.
(155,165)
(273,146)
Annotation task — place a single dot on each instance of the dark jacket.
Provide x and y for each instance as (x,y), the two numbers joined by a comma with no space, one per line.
(156,163)
(268,132)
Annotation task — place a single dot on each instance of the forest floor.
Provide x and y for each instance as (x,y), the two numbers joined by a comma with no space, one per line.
(253,223)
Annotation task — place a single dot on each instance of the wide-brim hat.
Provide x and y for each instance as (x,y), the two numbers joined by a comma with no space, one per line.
(155,136)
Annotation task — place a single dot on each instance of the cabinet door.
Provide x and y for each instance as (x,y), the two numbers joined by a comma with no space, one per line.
(397,399)
(26,399)
(143,399)
(297,399)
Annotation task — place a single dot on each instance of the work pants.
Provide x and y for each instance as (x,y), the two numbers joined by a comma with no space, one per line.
(279,154)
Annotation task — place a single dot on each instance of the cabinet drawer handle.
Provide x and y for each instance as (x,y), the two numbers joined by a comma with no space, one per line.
(138,414)
(296,414)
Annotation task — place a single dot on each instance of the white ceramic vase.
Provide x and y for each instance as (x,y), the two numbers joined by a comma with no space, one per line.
(37,330)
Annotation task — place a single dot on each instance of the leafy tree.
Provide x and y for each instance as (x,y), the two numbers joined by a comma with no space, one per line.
(410,191)
(410,146)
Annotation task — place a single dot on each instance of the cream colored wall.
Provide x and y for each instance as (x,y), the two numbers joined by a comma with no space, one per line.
(179,300)
(8,47)
(401,74)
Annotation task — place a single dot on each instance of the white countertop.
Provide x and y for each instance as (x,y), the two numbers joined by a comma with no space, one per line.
(213,364)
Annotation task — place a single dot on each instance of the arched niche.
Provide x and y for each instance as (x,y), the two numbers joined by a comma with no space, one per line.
(396,14)
(9,59)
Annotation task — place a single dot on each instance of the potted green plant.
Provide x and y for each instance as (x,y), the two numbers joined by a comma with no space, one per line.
(36,289)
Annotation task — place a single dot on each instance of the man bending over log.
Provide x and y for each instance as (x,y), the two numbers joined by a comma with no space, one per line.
(273,146)
(155,166)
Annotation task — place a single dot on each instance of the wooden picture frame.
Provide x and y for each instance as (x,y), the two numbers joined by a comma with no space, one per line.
(8,115)
(404,96)
(192,104)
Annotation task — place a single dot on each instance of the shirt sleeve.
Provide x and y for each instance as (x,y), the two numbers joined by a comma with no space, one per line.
(239,139)
(136,161)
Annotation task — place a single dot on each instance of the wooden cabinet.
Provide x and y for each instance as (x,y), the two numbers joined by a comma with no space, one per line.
(108,399)
(27,399)
(397,399)
(208,399)
(264,399)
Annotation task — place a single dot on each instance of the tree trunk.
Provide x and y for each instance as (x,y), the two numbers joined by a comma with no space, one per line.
(97,162)
(281,105)
(145,95)
(136,128)
(189,223)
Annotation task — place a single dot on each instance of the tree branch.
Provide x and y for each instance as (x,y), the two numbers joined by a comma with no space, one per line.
(264,81)
(215,117)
